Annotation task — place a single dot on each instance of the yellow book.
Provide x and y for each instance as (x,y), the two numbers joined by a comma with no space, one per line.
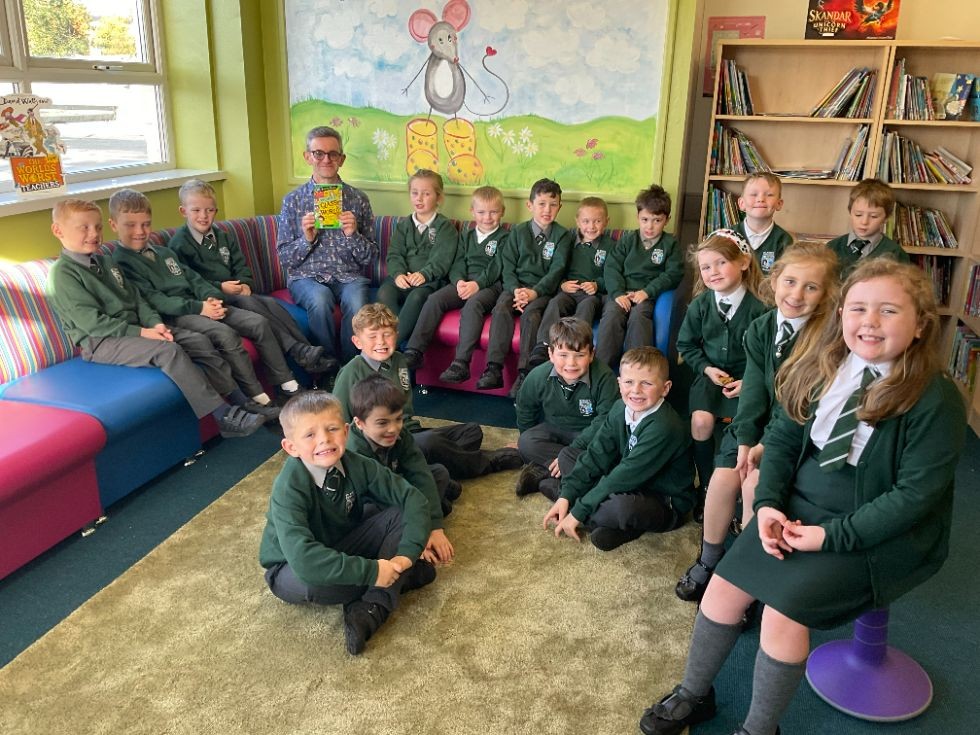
(328,201)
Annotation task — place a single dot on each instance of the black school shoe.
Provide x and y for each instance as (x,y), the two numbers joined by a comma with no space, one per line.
(605,538)
(505,459)
(269,411)
(529,479)
(420,574)
(413,358)
(688,588)
(361,621)
(238,423)
(538,356)
(457,372)
(516,387)
(677,710)
(312,358)
(493,377)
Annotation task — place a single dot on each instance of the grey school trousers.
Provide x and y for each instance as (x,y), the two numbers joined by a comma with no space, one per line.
(474,311)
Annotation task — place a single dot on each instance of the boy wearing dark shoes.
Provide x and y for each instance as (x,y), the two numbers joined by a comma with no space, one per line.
(321,543)
(636,474)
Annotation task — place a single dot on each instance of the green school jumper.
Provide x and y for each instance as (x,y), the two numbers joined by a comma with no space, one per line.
(477,261)
(887,520)
(359,368)
(539,267)
(587,261)
(631,267)
(653,459)
(849,259)
(771,248)
(171,287)
(303,522)
(707,340)
(547,399)
(430,253)
(405,460)
(223,262)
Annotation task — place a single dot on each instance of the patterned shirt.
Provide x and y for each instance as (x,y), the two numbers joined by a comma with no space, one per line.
(332,256)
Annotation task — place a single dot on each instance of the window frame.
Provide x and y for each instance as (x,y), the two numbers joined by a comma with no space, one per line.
(23,71)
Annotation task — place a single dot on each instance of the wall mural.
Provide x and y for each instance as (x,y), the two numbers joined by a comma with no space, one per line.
(497,92)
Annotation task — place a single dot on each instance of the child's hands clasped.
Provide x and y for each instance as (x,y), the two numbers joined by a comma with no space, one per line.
(732,389)
(213,309)
(718,376)
(624,302)
(389,571)
(467,289)
(438,550)
(803,538)
(771,523)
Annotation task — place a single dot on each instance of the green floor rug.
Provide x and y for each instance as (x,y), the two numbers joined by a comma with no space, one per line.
(523,633)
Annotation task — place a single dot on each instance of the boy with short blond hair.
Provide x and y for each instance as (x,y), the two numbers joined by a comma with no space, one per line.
(320,545)
(457,446)
(583,290)
(534,260)
(474,286)
(869,206)
(636,474)
(644,263)
(762,197)
(217,257)
(186,300)
(560,406)
(105,315)
(378,431)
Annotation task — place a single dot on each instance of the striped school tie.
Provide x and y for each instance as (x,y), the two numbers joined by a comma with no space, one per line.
(785,335)
(209,241)
(858,246)
(834,453)
(723,308)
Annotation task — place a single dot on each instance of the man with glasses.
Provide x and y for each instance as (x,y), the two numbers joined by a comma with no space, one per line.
(324,266)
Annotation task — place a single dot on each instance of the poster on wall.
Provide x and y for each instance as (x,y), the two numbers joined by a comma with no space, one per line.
(33,148)
(481,91)
(850,20)
(726,27)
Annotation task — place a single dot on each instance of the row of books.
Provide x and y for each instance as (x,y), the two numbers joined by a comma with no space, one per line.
(734,154)
(922,227)
(903,161)
(850,160)
(972,306)
(734,96)
(940,270)
(963,357)
(852,96)
(951,95)
(722,209)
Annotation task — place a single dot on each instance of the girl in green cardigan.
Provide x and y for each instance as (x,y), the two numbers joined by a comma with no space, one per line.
(804,284)
(855,495)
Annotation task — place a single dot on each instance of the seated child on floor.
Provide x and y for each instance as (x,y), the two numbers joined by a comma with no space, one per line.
(457,447)
(420,253)
(560,406)
(321,544)
(217,257)
(474,285)
(635,475)
(378,408)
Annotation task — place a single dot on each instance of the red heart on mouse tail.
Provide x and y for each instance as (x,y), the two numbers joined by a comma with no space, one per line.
(491,51)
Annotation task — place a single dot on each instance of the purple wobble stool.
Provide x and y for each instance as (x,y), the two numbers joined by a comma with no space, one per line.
(868,679)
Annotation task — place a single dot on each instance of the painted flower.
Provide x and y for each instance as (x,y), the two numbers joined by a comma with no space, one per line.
(495,130)
(598,156)
(379,137)
(336,122)
(592,143)
(509,139)
(580,152)
(354,122)
(526,134)
(531,147)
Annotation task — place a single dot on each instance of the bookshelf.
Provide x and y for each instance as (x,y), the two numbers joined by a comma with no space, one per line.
(786,80)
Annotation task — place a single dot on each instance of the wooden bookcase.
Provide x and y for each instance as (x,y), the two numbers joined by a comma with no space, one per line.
(787,78)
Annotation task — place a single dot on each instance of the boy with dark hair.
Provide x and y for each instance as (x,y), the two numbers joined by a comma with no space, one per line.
(186,300)
(457,446)
(474,286)
(869,206)
(644,263)
(379,432)
(636,473)
(583,291)
(560,406)
(534,261)
(216,256)
(762,197)
(321,544)
(106,317)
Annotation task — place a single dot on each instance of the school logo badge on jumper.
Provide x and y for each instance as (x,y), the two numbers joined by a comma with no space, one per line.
(403,379)
(548,251)
(225,254)
(631,444)
(394,466)
(767,261)
(600,258)
(490,248)
(173,267)
(349,501)
(585,406)
(432,235)
(117,274)
(657,256)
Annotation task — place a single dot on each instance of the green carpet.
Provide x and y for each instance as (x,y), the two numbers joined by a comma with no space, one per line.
(523,633)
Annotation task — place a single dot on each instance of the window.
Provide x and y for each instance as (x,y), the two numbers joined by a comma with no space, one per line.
(99,61)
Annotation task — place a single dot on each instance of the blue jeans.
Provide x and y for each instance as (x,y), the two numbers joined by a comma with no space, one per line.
(320,299)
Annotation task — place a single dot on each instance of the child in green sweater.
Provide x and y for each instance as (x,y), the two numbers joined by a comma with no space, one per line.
(869,206)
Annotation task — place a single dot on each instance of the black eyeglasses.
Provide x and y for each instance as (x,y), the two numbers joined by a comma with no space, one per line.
(334,156)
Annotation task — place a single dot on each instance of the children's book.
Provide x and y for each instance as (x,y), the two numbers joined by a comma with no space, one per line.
(852,20)
(328,199)
(949,94)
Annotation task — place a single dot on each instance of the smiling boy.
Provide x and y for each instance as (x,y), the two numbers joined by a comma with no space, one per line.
(762,197)
(869,206)
(636,473)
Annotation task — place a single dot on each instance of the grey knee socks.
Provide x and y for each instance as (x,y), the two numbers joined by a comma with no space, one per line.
(711,643)
(773,685)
